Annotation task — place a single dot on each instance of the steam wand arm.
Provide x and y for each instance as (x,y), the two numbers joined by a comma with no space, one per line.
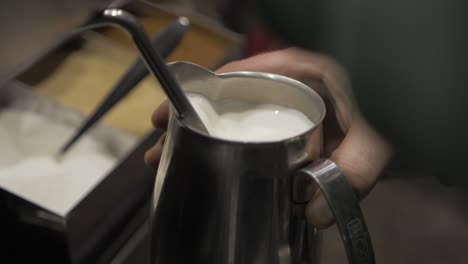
(155,64)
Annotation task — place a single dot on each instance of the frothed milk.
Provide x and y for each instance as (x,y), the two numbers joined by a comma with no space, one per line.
(243,121)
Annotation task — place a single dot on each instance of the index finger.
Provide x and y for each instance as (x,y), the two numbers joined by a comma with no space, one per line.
(160,117)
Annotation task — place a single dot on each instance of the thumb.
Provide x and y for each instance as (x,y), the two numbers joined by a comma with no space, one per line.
(361,157)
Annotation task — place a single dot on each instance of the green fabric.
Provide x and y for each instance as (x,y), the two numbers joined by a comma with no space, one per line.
(408,61)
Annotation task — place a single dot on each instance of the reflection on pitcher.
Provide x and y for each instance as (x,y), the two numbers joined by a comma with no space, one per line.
(227,197)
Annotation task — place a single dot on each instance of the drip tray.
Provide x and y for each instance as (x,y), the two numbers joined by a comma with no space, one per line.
(96,228)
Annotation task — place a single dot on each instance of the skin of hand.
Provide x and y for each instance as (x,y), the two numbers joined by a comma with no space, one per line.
(359,151)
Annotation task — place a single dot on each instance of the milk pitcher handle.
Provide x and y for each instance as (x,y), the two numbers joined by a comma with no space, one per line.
(344,204)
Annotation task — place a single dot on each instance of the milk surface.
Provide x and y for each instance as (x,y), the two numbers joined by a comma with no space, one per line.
(28,168)
(55,185)
(243,121)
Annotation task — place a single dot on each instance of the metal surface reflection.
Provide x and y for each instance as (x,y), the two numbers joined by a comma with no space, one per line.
(219,201)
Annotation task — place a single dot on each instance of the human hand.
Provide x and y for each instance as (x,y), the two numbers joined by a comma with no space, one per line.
(350,141)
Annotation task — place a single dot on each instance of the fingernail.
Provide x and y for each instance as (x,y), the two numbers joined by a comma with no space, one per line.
(318,212)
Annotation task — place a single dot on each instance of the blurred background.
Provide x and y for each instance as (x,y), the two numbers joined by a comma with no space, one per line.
(82,71)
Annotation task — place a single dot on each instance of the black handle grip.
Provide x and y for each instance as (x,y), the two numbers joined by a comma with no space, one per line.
(164,43)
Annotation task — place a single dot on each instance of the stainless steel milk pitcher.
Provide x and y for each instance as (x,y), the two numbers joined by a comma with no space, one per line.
(223,202)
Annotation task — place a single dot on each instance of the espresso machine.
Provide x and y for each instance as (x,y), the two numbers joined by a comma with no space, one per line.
(110,223)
